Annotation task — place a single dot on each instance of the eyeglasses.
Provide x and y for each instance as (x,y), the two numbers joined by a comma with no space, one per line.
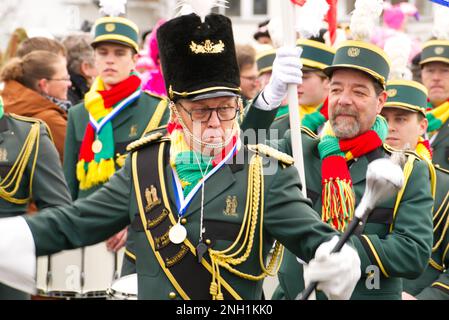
(61,79)
(203,115)
(252,79)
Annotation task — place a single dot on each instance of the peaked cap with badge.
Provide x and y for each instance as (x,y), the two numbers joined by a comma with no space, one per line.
(406,94)
(363,56)
(118,30)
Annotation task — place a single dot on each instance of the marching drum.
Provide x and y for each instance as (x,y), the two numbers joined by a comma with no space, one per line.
(80,273)
(124,288)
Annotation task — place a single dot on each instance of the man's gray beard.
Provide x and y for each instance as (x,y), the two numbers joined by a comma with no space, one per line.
(344,131)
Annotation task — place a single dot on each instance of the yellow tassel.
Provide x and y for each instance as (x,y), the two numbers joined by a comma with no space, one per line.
(213,289)
(90,180)
(80,172)
(105,170)
(338,203)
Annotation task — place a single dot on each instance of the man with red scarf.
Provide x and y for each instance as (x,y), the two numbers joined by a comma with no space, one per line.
(206,209)
(397,239)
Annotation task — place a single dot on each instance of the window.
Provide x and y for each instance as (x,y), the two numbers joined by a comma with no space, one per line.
(234,8)
(260,7)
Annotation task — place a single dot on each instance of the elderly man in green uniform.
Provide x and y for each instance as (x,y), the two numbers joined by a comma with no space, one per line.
(114,113)
(209,206)
(407,123)
(312,92)
(396,242)
(435,77)
(30,170)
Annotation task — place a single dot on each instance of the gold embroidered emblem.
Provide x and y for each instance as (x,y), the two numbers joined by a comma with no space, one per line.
(207,47)
(392,93)
(439,50)
(231,206)
(3,155)
(153,223)
(152,198)
(162,241)
(109,27)
(169,262)
(133,131)
(353,52)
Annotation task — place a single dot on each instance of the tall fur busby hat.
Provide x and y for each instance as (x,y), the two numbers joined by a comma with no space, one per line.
(198,57)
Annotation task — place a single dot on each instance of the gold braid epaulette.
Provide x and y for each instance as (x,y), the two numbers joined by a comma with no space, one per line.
(439,168)
(389,149)
(309,132)
(33,120)
(144,141)
(11,183)
(271,152)
(155,95)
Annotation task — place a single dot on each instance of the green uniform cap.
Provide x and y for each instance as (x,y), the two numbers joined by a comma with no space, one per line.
(435,51)
(116,30)
(315,54)
(406,94)
(265,60)
(362,56)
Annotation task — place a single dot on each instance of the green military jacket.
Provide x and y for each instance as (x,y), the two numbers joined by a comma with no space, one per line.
(280,126)
(41,180)
(440,147)
(252,119)
(286,216)
(433,283)
(144,115)
(394,244)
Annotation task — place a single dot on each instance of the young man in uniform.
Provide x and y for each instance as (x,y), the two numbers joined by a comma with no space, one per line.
(114,113)
(435,77)
(194,193)
(407,123)
(313,91)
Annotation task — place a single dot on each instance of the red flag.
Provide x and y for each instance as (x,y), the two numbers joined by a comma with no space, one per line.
(298,2)
(331,19)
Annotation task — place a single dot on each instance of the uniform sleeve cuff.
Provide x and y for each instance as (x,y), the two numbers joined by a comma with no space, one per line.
(18,255)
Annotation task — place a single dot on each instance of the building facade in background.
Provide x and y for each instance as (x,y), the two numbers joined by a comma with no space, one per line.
(59,17)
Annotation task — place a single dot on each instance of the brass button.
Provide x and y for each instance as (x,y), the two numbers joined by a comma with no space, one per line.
(172,295)
(208,242)
(183,220)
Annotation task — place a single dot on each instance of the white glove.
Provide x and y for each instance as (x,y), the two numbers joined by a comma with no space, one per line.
(17,252)
(337,273)
(286,70)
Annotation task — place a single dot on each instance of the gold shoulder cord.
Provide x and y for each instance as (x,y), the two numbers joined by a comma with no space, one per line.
(228,260)
(15,175)
(408,168)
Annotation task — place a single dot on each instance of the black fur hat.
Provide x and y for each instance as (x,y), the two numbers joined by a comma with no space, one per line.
(198,58)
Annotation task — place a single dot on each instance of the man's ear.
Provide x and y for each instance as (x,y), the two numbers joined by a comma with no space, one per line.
(423,124)
(381,99)
(135,58)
